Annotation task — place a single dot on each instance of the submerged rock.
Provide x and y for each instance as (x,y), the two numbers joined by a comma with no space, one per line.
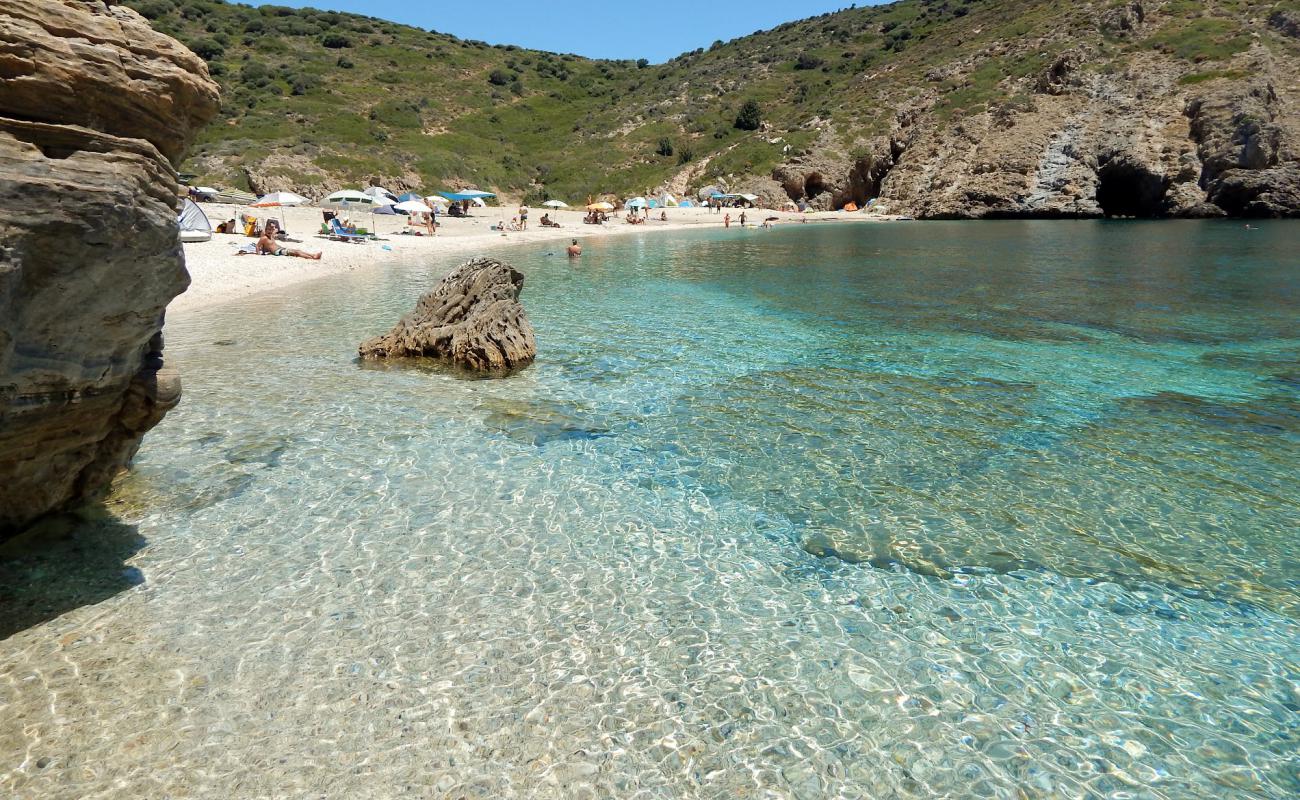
(472,319)
(96,109)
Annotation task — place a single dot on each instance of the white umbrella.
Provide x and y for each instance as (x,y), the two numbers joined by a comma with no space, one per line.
(279,199)
(435,200)
(413,207)
(555,204)
(345,196)
(478,201)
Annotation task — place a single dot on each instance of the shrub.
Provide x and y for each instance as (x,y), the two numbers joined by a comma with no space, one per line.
(517,87)
(665,147)
(642,63)
(207,49)
(335,41)
(499,77)
(807,61)
(685,156)
(153,9)
(750,116)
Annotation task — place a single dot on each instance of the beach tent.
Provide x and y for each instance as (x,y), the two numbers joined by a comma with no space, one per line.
(555,204)
(752,198)
(667,201)
(346,196)
(206,192)
(279,199)
(850,207)
(379,193)
(409,196)
(478,201)
(193,223)
(686,204)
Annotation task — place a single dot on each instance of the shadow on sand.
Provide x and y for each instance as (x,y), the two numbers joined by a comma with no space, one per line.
(63,564)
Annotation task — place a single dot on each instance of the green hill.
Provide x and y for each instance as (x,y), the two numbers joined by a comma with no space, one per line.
(894,101)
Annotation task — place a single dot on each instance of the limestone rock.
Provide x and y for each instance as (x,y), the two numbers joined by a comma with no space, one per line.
(1159,137)
(472,319)
(79,62)
(92,105)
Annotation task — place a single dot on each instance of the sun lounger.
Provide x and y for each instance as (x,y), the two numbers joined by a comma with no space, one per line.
(337,233)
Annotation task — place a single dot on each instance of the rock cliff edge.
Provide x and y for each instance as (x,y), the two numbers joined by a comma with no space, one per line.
(95,110)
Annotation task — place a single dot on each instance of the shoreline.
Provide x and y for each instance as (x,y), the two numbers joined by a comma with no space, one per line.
(219,276)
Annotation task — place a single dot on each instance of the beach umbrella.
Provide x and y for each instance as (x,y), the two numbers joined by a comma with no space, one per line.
(409,196)
(636,202)
(555,204)
(601,206)
(413,207)
(345,196)
(435,200)
(478,201)
(279,199)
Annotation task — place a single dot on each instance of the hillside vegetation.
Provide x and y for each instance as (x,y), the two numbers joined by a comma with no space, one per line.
(315,100)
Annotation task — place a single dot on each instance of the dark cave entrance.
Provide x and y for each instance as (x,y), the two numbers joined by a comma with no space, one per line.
(814,184)
(1126,189)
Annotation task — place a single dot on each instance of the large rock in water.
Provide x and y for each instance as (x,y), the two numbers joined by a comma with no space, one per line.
(94,108)
(472,319)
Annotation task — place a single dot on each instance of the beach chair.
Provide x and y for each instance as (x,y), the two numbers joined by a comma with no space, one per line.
(337,233)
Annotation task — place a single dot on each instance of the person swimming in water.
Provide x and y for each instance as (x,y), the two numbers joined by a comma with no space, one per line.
(574,250)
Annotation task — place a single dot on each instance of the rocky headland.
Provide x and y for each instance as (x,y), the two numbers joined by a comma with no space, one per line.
(96,109)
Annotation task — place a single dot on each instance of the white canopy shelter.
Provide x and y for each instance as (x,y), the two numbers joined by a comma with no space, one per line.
(413,207)
(346,196)
(279,199)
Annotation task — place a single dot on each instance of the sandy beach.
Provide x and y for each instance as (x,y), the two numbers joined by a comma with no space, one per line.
(218,275)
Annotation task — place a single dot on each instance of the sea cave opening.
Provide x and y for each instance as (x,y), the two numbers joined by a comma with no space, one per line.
(1126,189)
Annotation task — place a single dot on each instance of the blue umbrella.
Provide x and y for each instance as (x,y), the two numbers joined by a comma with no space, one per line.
(410,196)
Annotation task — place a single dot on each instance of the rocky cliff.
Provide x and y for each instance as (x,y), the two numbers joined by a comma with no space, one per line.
(95,110)
(1129,109)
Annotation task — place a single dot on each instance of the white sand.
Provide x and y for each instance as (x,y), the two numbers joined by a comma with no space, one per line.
(219,276)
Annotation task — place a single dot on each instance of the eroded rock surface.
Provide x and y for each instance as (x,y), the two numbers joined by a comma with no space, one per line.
(1159,136)
(472,319)
(94,108)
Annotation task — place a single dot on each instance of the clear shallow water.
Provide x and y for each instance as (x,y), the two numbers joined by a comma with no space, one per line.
(997,509)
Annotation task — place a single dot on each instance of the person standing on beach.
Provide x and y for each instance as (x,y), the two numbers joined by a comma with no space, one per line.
(726,221)
(742,219)
(574,250)
(523,218)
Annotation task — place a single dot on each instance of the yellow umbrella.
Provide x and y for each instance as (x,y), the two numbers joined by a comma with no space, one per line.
(602,206)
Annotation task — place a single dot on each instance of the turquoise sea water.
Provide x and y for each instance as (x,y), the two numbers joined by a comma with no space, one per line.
(968,510)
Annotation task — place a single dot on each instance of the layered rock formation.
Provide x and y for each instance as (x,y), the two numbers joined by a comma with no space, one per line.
(95,109)
(472,319)
(1154,135)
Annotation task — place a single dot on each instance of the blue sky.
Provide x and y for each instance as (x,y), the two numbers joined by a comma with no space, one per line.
(657,30)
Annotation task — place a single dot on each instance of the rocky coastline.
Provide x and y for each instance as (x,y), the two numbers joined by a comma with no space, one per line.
(95,112)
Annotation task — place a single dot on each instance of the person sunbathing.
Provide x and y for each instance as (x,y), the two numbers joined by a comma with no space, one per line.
(268,246)
(547,222)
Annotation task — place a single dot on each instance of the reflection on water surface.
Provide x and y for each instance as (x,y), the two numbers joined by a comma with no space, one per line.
(1000,509)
